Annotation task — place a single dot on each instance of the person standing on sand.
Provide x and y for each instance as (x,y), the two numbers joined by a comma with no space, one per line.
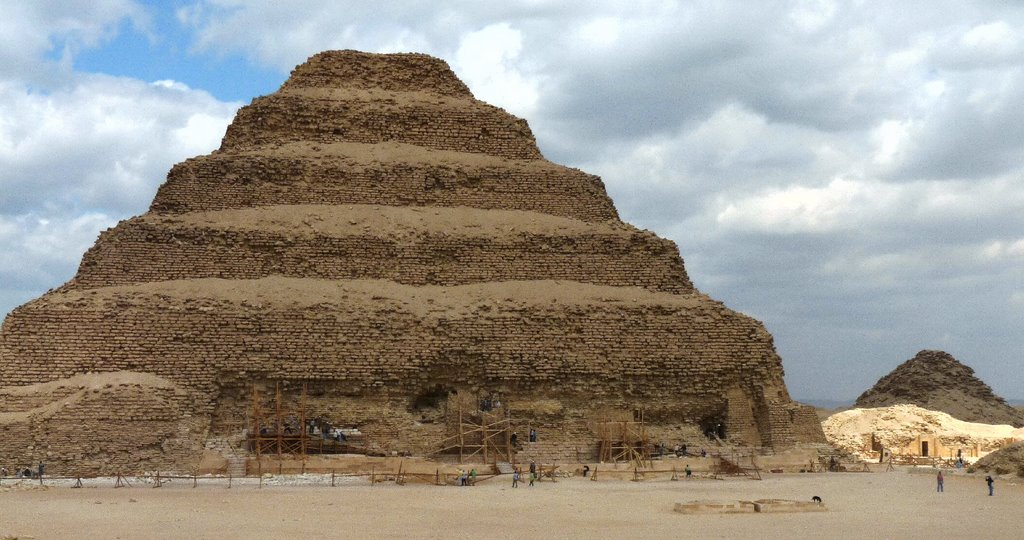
(939,479)
(515,478)
(989,481)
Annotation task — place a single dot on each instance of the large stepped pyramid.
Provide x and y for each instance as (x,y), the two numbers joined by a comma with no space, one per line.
(374,232)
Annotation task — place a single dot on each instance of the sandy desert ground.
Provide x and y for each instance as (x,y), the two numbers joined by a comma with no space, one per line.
(861,505)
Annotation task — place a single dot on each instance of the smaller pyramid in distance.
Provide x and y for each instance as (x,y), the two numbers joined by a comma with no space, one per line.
(936,381)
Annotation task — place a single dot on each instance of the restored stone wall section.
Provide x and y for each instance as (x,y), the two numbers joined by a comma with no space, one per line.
(224,180)
(142,250)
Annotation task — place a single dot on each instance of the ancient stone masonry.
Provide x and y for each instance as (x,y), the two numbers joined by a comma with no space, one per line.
(375,233)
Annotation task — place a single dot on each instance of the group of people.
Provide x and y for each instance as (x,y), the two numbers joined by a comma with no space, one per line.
(24,473)
(514,439)
(941,480)
(467,478)
(517,475)
(681,450)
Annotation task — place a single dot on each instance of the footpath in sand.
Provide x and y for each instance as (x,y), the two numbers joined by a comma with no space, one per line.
(861,505)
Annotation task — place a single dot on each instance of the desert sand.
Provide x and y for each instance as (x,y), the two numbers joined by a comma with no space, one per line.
(900,504)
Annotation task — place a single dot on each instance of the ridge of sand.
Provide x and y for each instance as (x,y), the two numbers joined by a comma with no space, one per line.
(388,152)
(394,221)
(58,394)
(377,295)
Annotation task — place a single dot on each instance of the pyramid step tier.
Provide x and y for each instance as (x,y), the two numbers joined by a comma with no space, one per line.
(354,116)
(379,336)
(404,72)
(412,245)
(387,174)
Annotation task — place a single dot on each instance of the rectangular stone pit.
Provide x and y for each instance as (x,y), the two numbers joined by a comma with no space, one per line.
(714,507)
(779,506)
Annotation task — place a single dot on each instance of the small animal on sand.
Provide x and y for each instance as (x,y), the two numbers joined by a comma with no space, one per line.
(816,499)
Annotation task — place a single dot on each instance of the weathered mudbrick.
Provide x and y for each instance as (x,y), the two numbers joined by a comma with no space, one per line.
(414,246)
(385,174)
(375,235)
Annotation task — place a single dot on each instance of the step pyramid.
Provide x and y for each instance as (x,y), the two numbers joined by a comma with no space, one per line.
(373,232)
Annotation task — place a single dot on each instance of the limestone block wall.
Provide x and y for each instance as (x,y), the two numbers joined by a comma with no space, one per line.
(158,249)
(471,126)
(316,176)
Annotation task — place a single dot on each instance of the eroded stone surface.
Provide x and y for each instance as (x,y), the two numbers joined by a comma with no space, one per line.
(373,231)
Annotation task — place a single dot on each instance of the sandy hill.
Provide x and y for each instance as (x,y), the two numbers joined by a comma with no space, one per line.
(1006,460)
(936,381)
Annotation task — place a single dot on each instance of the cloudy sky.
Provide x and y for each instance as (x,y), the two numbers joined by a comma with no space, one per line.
(850,173)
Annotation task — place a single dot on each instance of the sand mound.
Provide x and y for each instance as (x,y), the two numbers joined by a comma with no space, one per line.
(899,425)
(1007,460)
(936,381)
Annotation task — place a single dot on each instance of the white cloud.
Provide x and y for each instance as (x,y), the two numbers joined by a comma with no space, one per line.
(842,204)
(487,61)
(100,142)
(29,30)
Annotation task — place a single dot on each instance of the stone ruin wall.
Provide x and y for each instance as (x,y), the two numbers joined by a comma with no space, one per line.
(591,314)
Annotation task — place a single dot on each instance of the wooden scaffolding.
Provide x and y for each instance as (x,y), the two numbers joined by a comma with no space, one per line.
(276,428)
(485,435)
(623,440)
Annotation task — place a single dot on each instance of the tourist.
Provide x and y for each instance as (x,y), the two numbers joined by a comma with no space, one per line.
(533,466)
(533,476)
(939,479)
(462,478)
(689,471)
(515,439)
(989,481)
(533,435)
(472,477)
(515,478)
